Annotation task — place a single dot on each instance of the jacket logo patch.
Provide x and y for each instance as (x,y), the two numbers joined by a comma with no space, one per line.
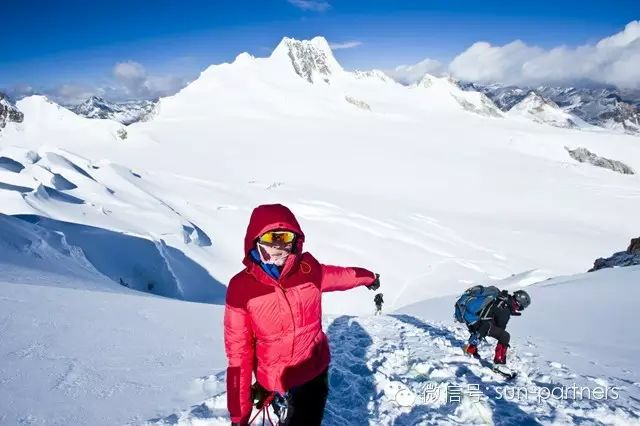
(305,268)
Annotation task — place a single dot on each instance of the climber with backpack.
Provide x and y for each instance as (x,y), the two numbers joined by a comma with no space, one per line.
(378,300)
(486,312)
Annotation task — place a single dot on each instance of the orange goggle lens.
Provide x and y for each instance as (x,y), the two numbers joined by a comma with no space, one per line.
(278,237)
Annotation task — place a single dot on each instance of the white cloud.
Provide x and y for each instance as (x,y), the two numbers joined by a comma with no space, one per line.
(165,85)
(613,60)
(312,5)
(130,81)
(409,74)
(133,78)
(129,71)
(345,45)
(73,93)
(18,91)
(135,82)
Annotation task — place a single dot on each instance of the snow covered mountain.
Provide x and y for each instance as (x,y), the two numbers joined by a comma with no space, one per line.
(535,107)
(431,186)
(211,141)
(447,89)
(8,112)
(122,112)
(604,107)
(311,60)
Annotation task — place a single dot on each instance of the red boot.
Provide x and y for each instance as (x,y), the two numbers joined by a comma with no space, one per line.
(472,350)
(501,354)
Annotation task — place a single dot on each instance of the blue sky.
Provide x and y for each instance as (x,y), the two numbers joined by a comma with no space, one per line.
(77,42)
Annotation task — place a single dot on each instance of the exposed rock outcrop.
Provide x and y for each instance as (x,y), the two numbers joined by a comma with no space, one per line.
(629,257)
(8,112)
(583,155)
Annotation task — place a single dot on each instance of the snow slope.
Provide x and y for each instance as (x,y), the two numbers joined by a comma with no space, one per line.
(424,184)
(382,366)
(79,349)
(134,237)
(102,354)
(586,321)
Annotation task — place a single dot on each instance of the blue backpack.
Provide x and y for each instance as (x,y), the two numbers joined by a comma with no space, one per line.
(475,303)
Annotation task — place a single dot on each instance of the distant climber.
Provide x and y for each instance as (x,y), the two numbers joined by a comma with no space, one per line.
(273,322)
(378,300)
(486,312)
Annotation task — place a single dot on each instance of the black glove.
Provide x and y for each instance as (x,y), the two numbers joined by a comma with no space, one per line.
(259,395)
(375,284)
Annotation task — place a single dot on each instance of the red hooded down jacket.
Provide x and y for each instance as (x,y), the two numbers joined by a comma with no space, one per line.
(273,327)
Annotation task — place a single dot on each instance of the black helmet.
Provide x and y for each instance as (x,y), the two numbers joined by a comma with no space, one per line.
(522,298)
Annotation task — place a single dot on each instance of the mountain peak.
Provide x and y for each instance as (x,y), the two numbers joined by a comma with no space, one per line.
(319,43)
(430,80)
(312,59)
(94,99)
(542,110)
(535,102)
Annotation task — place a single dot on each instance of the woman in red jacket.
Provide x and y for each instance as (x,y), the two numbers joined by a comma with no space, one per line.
(273,319)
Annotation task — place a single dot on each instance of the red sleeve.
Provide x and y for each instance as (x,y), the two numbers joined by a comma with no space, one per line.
(336,278)
(238,342)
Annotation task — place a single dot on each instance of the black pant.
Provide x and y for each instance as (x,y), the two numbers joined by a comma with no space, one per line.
(489,328)
(306,402)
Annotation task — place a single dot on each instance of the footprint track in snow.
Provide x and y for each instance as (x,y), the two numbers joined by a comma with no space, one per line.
(384,367)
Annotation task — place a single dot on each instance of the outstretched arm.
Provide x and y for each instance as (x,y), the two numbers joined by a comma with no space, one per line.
(238,341)
(337,278)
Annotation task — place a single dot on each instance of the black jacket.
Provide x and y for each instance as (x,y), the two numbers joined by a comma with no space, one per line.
(378,299)
(501,310)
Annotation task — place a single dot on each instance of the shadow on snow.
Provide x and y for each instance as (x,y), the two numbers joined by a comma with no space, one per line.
(504,411)
(351,383)
(138,263)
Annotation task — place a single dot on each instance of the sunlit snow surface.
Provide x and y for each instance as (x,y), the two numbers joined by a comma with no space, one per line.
(400,369)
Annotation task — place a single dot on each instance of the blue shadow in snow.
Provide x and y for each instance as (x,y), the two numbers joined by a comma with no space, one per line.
(351,384)
(504,411)
(11,165)
(138,263)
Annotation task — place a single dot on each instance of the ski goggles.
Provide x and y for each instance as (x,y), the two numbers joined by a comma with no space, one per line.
(277,237)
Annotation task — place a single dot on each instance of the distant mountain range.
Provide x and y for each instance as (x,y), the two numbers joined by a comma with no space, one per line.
(124,112)
(603,107)
(586,108)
